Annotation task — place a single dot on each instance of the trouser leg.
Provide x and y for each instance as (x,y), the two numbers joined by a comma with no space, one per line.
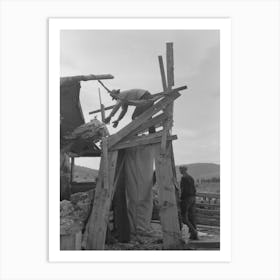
(141,109)
(188,211)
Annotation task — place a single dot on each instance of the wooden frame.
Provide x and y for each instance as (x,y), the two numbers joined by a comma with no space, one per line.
(128,137)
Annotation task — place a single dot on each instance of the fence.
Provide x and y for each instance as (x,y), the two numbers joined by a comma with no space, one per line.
(208,209)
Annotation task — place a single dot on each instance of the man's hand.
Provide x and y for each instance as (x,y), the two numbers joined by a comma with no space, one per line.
(107,120)
(115,124)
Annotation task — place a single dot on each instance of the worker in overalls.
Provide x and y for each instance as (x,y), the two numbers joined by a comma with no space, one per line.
(124,99)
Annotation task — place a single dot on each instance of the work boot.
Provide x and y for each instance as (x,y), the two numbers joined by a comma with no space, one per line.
(194,237)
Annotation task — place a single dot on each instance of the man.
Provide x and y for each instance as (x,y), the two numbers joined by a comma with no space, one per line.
(188,193)
(130,96)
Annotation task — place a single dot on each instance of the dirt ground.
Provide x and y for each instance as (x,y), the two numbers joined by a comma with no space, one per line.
(207,235)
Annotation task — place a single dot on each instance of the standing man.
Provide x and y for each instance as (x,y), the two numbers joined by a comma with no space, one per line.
(123,98)
(188,193)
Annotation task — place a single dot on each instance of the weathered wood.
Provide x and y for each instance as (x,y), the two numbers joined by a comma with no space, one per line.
(142,140)
(99,110)
(73,79)
(170,64)
(164,138)
(100,211)
(207,205)
(71,241)
(156,122)
(105,169)
(170,82)
(208,195)
(209,212)
(72,169)
(101,107)
(114,139)
(162,73)
(167,200)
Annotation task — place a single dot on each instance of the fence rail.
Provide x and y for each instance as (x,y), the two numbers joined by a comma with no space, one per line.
(208,209)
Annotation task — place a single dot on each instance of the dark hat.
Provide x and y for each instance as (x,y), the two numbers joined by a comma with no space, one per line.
(114,91)
(183,167)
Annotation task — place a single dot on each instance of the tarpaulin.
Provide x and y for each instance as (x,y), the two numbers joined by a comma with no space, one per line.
(139,182)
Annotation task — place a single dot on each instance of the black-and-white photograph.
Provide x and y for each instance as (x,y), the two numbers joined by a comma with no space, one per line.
(140,140)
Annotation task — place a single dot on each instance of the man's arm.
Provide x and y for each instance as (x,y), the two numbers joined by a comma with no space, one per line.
(114,111)
(122,114)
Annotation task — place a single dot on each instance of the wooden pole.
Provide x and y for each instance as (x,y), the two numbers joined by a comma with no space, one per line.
(72,169)
(170,83)
(162,73)
(97,224)
(167,199)
(102,107)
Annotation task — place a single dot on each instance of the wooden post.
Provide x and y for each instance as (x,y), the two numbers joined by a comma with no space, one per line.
(97,224)
(162,73)
(170,83)
(102,107)
(167,199)
(72,170)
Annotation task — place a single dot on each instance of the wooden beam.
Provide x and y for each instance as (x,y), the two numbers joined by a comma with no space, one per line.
(72,169)
(100,211)
(167,200)
(105,169)
(142,140)
(157,121)
(101,107)
(99,110)
(170,65)
(162,73)
(170,83)
(114,139)
(91,77)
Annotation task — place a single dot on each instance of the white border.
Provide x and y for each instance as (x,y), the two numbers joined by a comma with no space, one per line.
(224,25)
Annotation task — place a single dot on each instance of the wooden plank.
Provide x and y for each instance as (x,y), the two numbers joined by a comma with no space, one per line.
(140,141)
(170,82)
(105,170)
(72,169)
(162,73)
(100,211)
(71,241)
(204,245)
(208,211)
(209,195)
(114,139)
(73,79)
(207,205)
(167,200)
(102,108)
(99,110)
(164,137)
(170,64)
(157,121)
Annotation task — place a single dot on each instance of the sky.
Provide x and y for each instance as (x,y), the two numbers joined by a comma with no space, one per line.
(131,56)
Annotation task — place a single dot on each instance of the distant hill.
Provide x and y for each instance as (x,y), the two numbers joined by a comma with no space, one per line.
(196,170)
(82,174)
(201,170)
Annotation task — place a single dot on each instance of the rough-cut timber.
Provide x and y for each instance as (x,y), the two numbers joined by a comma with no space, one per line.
(100,211)
(114,139)
(167,199)
(74,79)
(142,140)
